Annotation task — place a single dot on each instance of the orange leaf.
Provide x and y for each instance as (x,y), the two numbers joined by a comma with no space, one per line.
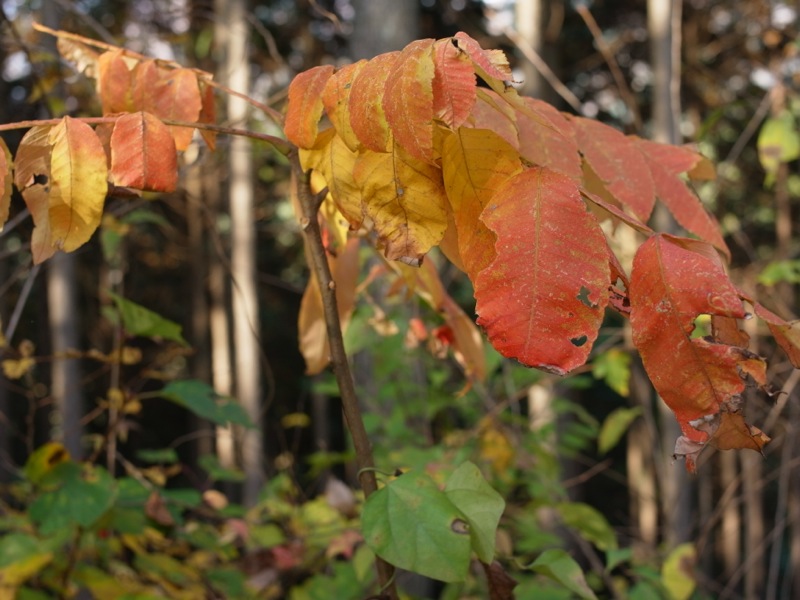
(617,161)
(542,299)
(408,100)
(666,163)
(548,140)
(336,98)
(453,84)
(366,109)
(474,163)
(6,164)
(673,281)
(786,333)
(405,199)
(491,65)
(114,83)
(208,112)
(304,109)
(143,154)
(490,112)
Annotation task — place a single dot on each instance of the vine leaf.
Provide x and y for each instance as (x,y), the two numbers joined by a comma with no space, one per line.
(62,172)
(408,99)
(413,525)
(541,300)
(669,288)
(474,163)
(405,199)
(367,116)
(453,84)
(143,154)
(304,109)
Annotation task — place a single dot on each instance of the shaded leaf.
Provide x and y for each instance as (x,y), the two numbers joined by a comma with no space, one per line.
(304,109)
(474,164)
(413,525)
(138,320)
(670,286)
(542,299)
(615,426)
(617,161)
(202,400)
(21,557)
(492,113)
(367,116)
(481,505)
(143,154)
(208,111)
(6,170)
(590,523)
(405,199)
(786,333)
(614,367)
(408,100)
(547,139)
(453,84)
(562,568)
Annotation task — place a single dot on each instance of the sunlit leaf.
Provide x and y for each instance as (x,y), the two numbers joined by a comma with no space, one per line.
(84,58)
(492,113)
(305,106)
(367,116)
(336,98)
(677,572)
(474,163)
(413,525)
(548,140)
(542,299)
(408,100)
(405,199)
(453,84)
(615,426)
(778,142)
(614,367)
(786,333)
(114,82)
(143,154)
(491,65)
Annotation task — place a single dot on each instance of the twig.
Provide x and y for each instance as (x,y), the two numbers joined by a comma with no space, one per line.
(611,61)
(309,205)
(21,301)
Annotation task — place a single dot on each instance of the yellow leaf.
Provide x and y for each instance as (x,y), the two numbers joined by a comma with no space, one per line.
(15,574)
(43,460)
(677,572)
(495,447)
(405,199)
(6,163)
(474,163)
(14,369)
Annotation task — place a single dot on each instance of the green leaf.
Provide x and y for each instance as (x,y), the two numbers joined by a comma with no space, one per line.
(141,321)
(413,525)
(780,271)
(778,142)
(202,400)
(228,581)
(589,522)
(614,558)
(161,455)
(210,464)
(614,367)
(676,572)
(615,426)
(561,567)
(85,495)
(481,505)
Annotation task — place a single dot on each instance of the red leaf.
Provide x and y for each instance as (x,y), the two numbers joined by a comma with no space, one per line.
(114,82)
(366,109)
(490,64)
(542,299)
(491,112)
(453,84)
(666,163)
(143,154)
(547,139)
(304,109)
(786,333)
(673,281)
(408,100)
(617,161)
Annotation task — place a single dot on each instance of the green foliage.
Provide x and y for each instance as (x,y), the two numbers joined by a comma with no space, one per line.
(138,320)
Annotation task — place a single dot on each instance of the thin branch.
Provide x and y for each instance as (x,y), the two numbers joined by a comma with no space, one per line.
(309,204)
(21,301)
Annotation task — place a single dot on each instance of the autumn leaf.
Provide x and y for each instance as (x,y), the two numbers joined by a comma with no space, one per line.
(6,169)
(208,111)
(408,100)
(336,99)
(114,82)
(490,65)
(474,163)
(666,163)
(367,117)
(453,84)
(619,164)
(492,113)
(542,299)
(84,58)
(670,286)
(786,333)
(143,154)
(405,199)
(547,139)
(304,109)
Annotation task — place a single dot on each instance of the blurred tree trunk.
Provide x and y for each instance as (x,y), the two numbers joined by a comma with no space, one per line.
(529,19)
(664,25)
(243,248)
(63,311)
(383,25)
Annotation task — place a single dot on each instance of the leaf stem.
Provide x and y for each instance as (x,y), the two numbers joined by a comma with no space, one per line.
(309,205)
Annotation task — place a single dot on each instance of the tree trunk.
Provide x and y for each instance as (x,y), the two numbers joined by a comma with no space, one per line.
(382,25)
(529,19)
(243,250)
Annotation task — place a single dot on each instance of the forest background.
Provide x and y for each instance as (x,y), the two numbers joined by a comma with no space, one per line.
(584,463)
